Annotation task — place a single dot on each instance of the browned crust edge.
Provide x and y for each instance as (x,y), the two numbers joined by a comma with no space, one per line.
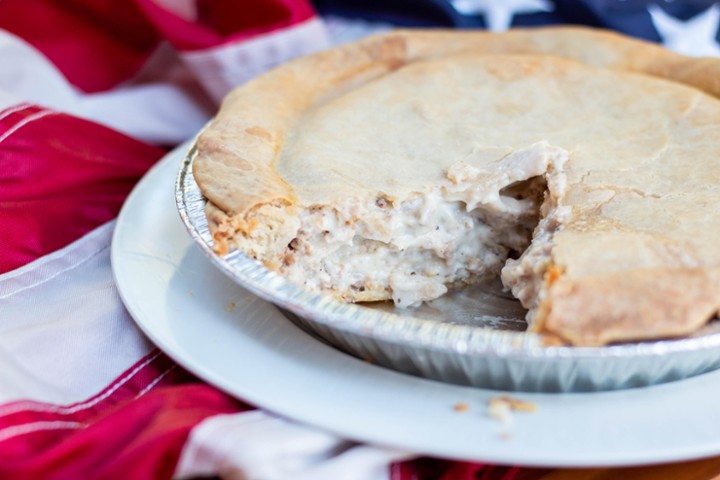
(629,306)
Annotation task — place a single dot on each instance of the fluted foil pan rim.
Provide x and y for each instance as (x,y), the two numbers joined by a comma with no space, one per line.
(369,330)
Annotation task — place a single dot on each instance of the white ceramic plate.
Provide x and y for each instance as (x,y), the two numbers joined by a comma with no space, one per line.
(246,347)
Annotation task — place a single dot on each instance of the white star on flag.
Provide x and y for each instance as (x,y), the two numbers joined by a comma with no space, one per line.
(695,36)
(499,13)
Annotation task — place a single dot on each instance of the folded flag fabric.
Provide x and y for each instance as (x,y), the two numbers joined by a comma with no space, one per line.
(92,94)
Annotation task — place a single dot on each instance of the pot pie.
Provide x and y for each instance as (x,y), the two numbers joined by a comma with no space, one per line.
(580,166)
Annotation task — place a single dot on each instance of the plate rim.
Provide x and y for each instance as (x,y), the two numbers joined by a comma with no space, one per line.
(622,458)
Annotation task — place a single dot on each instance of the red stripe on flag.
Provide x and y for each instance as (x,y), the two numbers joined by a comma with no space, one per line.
(140,436)
(427,468)
(60,177)
(95,43)
(221,21)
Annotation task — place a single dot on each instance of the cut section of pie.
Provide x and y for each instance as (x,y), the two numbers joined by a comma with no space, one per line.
(408,164)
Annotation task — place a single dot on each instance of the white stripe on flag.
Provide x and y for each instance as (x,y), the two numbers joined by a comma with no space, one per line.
(65,307)
(222,68)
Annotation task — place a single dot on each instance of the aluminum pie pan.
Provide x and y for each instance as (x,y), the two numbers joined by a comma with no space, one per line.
(472,337)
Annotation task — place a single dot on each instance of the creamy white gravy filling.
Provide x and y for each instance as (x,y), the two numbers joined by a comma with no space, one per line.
(414,249)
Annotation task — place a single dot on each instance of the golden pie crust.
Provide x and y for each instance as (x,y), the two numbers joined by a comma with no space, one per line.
(636,254)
